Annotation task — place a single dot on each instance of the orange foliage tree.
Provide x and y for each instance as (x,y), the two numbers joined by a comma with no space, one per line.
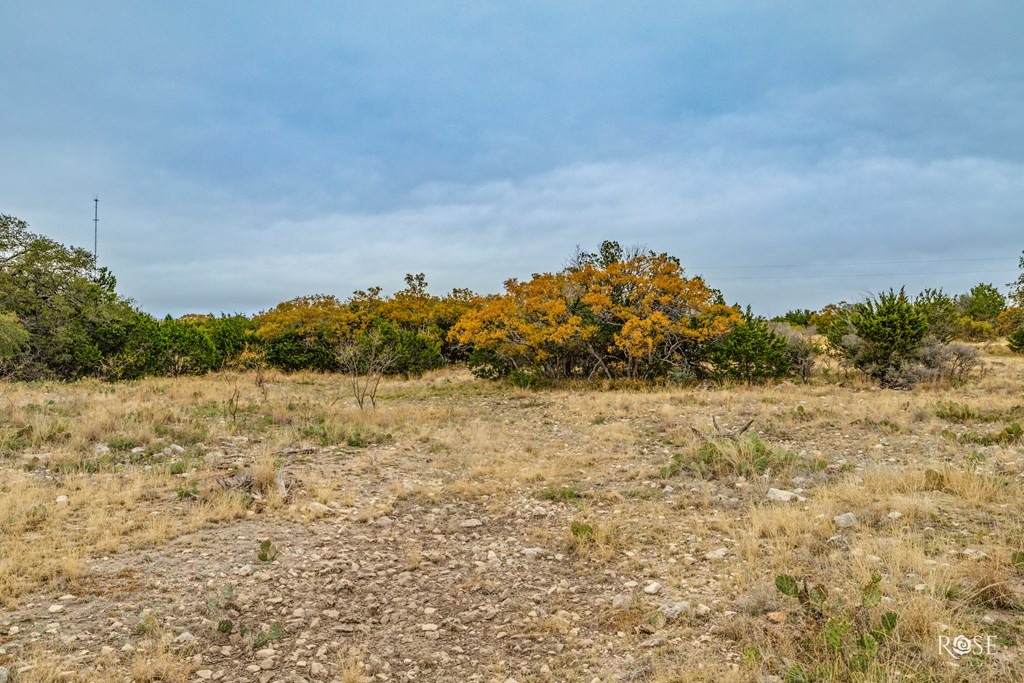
(635,317)
(307,332)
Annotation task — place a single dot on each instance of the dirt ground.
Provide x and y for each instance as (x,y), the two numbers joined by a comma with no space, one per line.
(261,528)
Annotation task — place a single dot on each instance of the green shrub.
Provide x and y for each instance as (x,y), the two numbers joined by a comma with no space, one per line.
(561,494)
(750,353)
(797,318)
(983,303)
(940,313)
(881,337)
(486,364)
(956,412)
(13,340)
(414,353)
(845,640)
(975,330)
(1016,340)
(231,335)
(184,350)
(748,455)
(292,351)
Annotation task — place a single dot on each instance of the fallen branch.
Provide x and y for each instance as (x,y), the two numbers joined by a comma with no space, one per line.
(243,481)
(297,451)
(722,434)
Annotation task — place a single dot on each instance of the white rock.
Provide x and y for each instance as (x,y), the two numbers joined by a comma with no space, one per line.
(716,554)
(673,610)
(470,523)
(657,640)
(56,608)
(652,588)
(783,496)
(703,610)
(622,600)
(845,520)
(531,552)
(62,500)
(246,569)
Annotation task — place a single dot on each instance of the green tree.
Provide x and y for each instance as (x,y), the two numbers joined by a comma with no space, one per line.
(230,334)
(940,313)
(13,339)
(1017,286)
(881,336)
(750,353)
(291,351)
(1016,340)
(67,306)
(796,318)
(184,349)
(983,303)
(413,352)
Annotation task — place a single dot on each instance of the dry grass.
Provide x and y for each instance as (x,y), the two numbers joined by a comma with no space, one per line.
(155,661)
(938,516)
(352,667)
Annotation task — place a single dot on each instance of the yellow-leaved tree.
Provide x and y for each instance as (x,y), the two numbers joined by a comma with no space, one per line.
(609,315)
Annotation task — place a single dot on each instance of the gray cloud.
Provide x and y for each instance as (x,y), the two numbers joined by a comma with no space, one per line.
(246,156)
(711,212)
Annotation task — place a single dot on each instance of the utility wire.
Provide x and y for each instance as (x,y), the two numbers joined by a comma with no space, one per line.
(852,275)
(847,263)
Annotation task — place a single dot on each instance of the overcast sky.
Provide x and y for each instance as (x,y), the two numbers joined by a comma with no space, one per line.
(248,153)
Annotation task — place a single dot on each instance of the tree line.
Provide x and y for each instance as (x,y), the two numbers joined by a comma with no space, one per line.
(615,314)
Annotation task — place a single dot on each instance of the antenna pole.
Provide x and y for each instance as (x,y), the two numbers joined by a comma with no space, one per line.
(95,228)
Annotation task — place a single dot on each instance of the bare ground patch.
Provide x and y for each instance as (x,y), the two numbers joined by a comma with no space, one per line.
(465,531)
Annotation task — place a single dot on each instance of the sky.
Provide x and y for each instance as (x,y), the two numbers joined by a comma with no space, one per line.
(794,154)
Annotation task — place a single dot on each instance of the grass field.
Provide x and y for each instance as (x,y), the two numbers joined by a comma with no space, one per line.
(259,527)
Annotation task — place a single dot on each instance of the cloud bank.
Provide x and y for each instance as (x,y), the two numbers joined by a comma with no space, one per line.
(243,157)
